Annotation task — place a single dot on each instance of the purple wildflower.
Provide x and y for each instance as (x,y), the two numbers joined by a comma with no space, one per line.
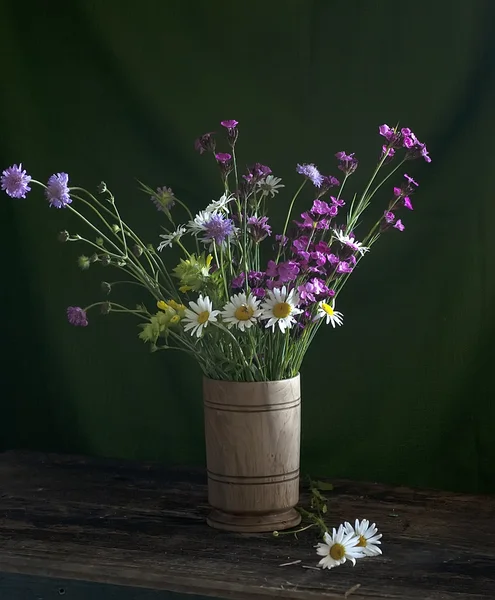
(333,260)
(322,247)
(258,292)
(398,192)
(218,229)
(272,269)
(329,181)
(411,181)
(77,316)
(282,239)
(319,258)
(389,216)
(311,172)
(205,143)
(320,207)
(348,163)
(259,228)
(15,181)
(346,266)
(288,271)
(387,132)
(229,124)
(223,157)
(57,191)
(238,282)
(399,225)
(300,244)
(407,203)
(390,152)
(313,289)
(337,201)
(257,172)
(256,278)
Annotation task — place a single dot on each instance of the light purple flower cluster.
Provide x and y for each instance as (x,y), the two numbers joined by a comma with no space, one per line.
(57,191)
(218,229)
(15,181)
(405,138)
(77,316)
(311,172)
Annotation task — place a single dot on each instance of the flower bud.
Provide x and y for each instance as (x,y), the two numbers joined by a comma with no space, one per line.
(94,258)
(99,241)
(83,262)
(102,188)
(106,307)
(106,288)
(137,250)
(63,236)
(121,263)
(105,260)
(115,228)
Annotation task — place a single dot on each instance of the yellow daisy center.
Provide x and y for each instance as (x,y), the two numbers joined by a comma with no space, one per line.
(327,308)
(337,551)
(243,313)
(203,316)
(362,542)
(282,310)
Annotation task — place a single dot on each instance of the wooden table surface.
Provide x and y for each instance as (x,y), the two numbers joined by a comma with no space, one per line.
(143,526)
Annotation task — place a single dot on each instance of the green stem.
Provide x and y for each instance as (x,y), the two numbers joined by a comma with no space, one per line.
(288,217)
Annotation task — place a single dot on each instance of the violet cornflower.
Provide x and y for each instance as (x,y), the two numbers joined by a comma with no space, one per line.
(57,191)
(218,229)
(77,316)
(311,172)
(15,181)
(205,143)
(259,228)
(348,163)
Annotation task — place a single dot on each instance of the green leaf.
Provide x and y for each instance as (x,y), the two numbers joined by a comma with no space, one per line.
(323,486)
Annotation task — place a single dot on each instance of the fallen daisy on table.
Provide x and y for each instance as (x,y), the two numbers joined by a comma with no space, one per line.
(348,543)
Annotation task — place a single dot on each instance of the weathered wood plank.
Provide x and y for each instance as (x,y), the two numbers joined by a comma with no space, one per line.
(141,525)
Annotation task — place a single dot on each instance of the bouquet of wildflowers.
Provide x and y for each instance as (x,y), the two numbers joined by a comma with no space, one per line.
(245,302)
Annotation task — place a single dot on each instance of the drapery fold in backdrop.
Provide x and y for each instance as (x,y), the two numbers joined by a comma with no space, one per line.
(115,91)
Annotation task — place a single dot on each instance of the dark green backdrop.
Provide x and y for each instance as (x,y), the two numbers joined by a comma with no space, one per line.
(117,89)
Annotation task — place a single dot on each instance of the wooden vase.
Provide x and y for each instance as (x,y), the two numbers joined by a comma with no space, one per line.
(253,436)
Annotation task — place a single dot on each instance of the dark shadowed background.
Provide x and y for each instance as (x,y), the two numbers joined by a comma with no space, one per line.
(118,90)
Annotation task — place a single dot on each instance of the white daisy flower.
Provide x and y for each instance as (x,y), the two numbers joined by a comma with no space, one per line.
(327,310)
(367,536)
(241,311)
(198,315)
(200,221)
(338,548)
(170,238)
(221,204)
(270,185)
(280,307)
(350,242)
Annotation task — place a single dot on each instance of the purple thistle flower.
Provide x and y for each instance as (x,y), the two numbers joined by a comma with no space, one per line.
(229,124)
(57,191)
(389,216)
(77,316)
(15,181)
(218,229)
(407,203)
(348,163)
(205,143)
(259,228)
(311,172)
(399,225)
(238,282)
(410,180)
